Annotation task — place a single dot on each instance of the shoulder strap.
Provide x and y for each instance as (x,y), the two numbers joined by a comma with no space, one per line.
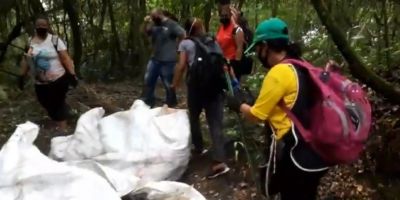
(236,29)
(200,44)
(304,132)
(54,40)
(300,63)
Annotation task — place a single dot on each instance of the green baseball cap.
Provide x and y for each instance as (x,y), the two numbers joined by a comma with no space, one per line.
(273,28)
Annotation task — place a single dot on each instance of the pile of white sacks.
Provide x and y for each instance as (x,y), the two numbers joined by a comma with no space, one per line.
(138,151)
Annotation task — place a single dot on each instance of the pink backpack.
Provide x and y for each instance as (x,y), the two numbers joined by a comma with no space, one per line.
(340,118)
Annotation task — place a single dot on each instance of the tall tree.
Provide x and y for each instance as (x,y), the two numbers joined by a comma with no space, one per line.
(136,45)
(116,51)
(185,9)
(208,6)
(275,4)
(70,7)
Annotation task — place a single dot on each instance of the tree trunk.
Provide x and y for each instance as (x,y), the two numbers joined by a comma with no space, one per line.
(65,29)
(241,3)
(6,6)
(16,31)
(208,6)
(103,13)
(357,67)
(116,51)
(100,28)
(136,45)
(185,9)
(386,33)
(70,7)
(274,7)
(36,7)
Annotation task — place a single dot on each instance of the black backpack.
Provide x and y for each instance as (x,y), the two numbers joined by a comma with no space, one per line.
(246,64)
(206,74)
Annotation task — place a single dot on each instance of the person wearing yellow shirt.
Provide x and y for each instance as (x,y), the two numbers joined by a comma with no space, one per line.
(294,169)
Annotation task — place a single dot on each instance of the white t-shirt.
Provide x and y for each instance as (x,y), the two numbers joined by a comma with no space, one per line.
(46,63)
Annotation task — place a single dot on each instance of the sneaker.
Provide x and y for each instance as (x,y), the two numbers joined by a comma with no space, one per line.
(218,170)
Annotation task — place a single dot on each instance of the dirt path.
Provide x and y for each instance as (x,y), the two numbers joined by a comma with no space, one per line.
(340,183)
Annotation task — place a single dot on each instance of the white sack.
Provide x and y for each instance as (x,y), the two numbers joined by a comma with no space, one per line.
(26,174)
(152,144)
(167,190)
(106,158)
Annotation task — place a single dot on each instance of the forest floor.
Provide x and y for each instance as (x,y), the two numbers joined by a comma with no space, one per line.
(342,182)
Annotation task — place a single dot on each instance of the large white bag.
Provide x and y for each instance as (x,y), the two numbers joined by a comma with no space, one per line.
(27,174)
(131,152)
(152,144)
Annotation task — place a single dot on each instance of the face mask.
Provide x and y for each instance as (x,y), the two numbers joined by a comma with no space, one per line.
(225,21)
(41,32)
(157,21)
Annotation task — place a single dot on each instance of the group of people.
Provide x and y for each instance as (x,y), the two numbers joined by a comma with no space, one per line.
(298,169)
(176,49)
(168,38)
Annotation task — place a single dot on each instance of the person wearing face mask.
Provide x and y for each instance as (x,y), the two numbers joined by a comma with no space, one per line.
(165,34)
(230,36)
(53,69)
(294,169)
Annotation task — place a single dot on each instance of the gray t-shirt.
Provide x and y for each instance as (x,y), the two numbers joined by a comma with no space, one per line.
(189,47)
(164,39)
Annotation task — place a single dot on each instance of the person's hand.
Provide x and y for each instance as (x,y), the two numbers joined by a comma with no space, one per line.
(73,80)
(246,95)
(235,15)
(21,82)
(234,103)
(172,100)
(241,96)
(147,18)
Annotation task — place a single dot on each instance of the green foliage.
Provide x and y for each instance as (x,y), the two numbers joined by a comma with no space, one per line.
(370,26)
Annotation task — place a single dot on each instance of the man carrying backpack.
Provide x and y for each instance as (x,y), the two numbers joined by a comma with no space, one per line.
(165,34)
(317,118)
(202,58)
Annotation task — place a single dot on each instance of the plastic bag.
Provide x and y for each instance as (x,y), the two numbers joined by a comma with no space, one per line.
(27,174)
(152,144)
(99,162)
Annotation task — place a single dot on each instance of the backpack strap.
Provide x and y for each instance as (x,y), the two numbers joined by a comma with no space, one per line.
(304,132)
(200,44)
(54,41)
(300,63)
(236,29)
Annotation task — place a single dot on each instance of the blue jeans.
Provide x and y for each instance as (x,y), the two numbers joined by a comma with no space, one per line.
(164,70)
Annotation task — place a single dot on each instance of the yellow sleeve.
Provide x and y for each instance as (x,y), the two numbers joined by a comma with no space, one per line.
(273,89)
